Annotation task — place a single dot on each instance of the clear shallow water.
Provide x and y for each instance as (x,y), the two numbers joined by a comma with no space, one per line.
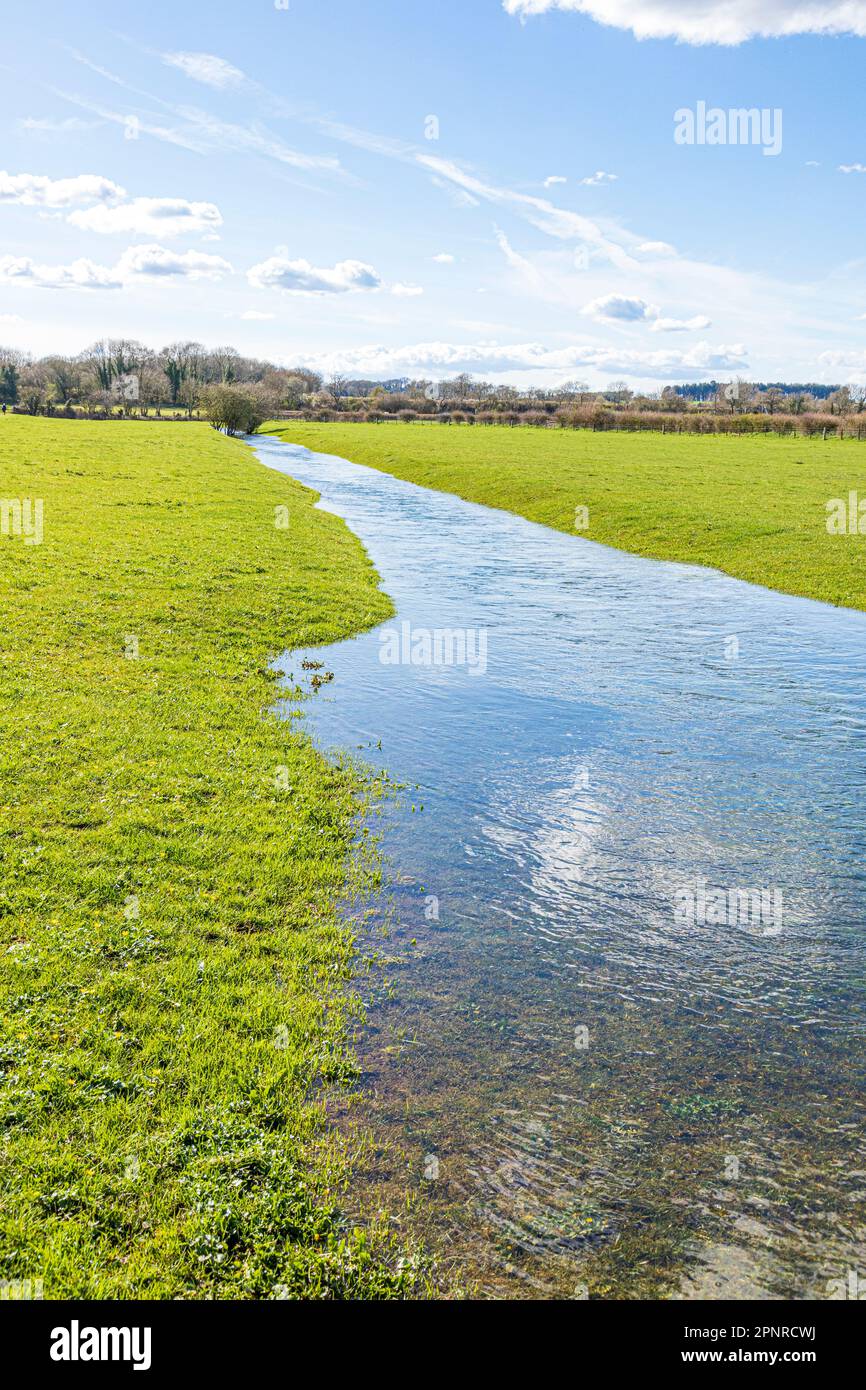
(704,1135)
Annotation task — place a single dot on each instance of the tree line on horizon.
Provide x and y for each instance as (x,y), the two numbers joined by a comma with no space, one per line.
(121,376)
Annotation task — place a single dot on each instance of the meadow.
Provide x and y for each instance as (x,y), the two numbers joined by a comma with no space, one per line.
(179,985)
(754,507)
(176,977)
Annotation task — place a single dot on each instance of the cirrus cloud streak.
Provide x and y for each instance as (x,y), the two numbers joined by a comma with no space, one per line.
(206,68)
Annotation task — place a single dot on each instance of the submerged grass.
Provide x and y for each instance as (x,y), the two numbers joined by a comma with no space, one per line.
(176,978)
(753,507)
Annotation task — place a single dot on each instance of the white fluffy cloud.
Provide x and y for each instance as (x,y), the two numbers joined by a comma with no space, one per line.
(554,179)
(299,277)
(598,178)
(406,291)
(137,263)
(158,262)
(444,258)
(166,217)
(99,205)
(656,248)
(851,360)
(80,275)
(707,21)
(205,67)
(621,309)
(38,191)
(663,325)
(490,358)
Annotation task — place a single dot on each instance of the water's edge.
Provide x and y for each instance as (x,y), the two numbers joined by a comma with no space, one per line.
(594,1098)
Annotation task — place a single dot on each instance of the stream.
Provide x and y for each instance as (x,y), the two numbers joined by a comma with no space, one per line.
(620,1054)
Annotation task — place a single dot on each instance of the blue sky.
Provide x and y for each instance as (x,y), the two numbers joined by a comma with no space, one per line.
(262,176)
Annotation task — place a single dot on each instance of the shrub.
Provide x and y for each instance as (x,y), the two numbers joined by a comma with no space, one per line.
(234,409)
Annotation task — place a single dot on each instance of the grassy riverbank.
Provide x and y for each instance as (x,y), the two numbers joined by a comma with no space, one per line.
(175,976)
(754,507)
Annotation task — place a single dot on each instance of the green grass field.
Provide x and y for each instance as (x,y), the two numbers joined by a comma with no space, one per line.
(176,980)
(754,507)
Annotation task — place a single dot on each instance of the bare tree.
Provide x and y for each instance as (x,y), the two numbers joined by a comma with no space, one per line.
(226,363)
(98,360)
(181,362)
(619,392)
(772,399)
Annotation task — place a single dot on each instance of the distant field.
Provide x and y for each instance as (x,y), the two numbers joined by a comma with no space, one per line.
(172,967)
(754,507)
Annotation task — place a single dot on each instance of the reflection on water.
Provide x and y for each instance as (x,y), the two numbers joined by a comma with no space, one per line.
(596,1092)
